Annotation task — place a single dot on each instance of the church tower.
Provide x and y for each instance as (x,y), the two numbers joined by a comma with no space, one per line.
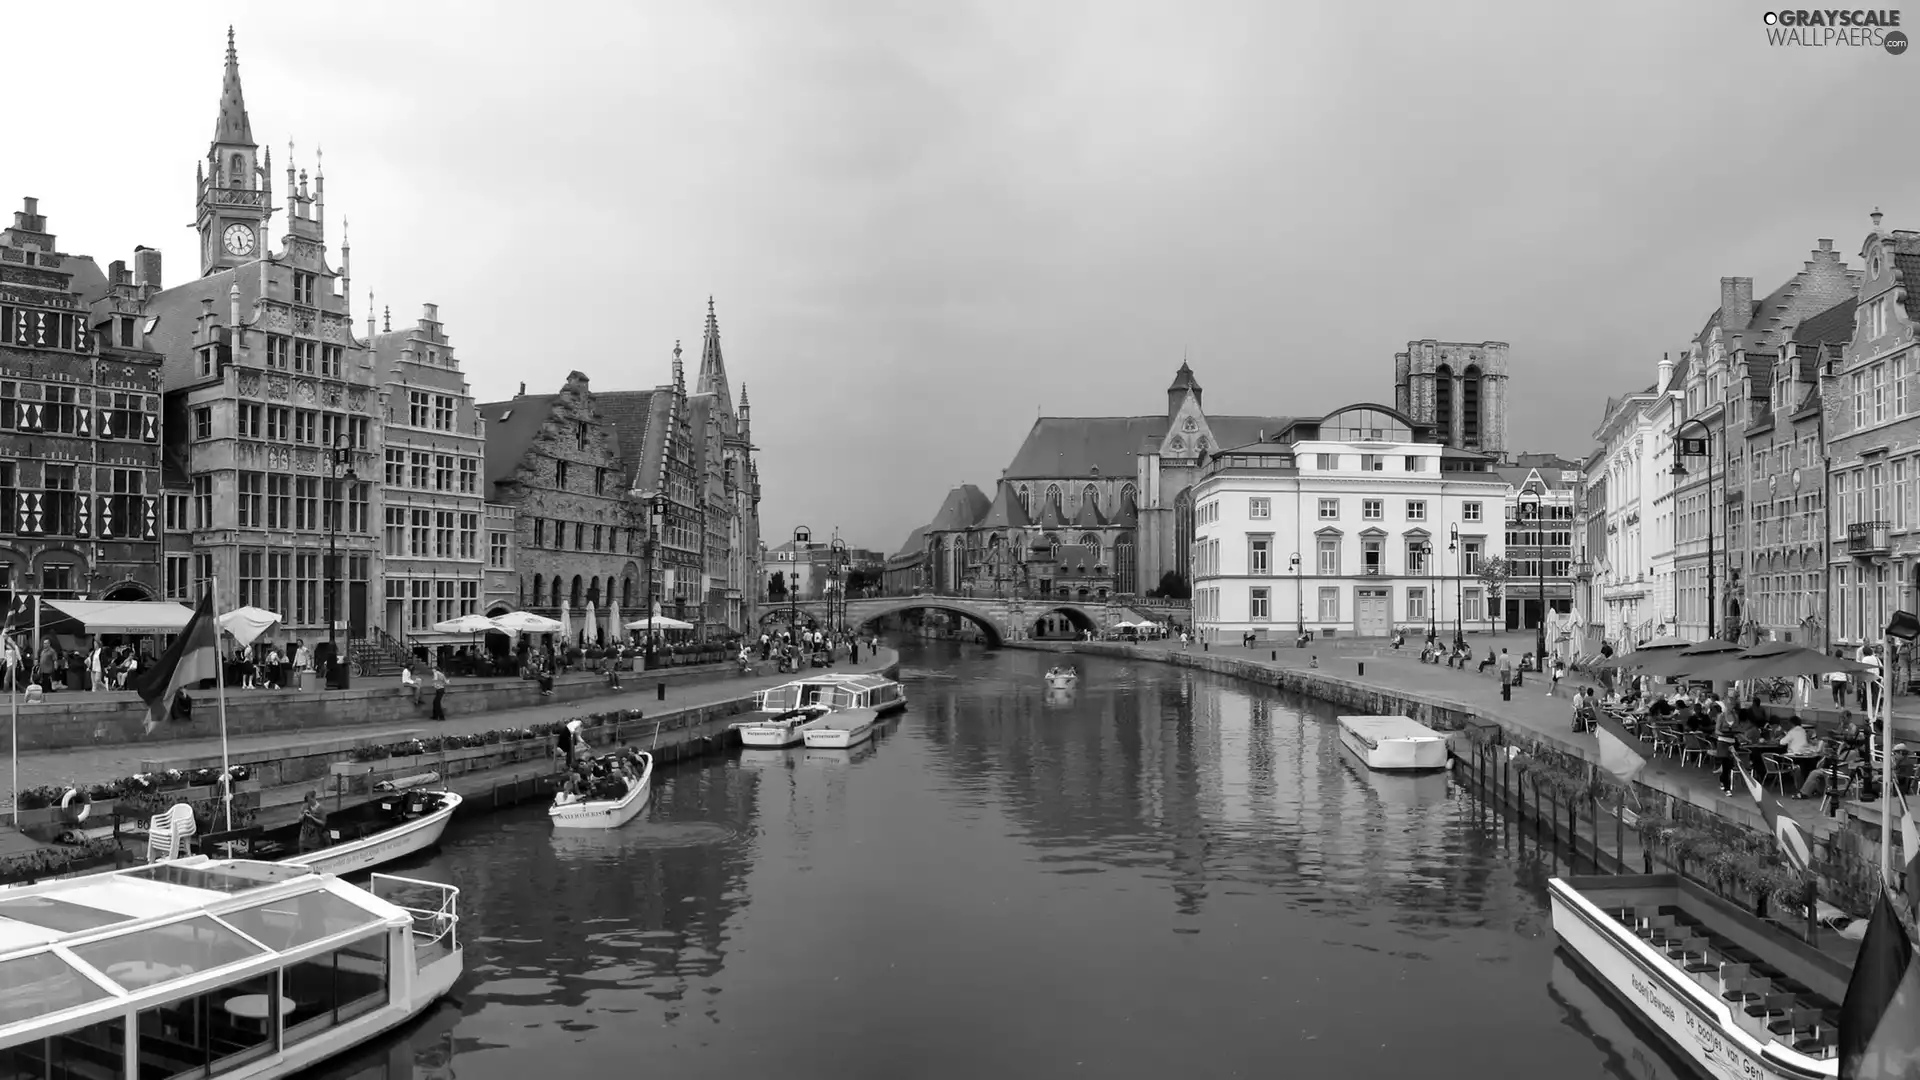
(713,367)
(1458,388)
(234,190)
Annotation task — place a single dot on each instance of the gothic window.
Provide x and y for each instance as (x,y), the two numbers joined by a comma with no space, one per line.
(237,172)
(593,591)
(1053,547)
(1470,406)
(1092,544)
(538,591)
(1024,493)
(1053,495)
(1443,403)
(626,592)
(1090,496)
(1129,494)
(574,596)
(1125,565)
(1183,534)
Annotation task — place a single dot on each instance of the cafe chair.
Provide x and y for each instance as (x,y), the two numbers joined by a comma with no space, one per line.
(1780,771)
(1695,746)
(168,833)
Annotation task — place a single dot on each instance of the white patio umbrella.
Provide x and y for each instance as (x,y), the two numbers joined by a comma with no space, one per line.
(566,620)
(465,624)
(590,631)
(659,622)
(524,622)
(246,624)
(613,621)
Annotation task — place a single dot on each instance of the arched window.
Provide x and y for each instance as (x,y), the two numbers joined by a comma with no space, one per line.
(1092,544)
(1443,403)
(1129,494)
(1183,534)
(539,592)
(574,596)
(1053,547)
(1470,406)
(1125,564)
(1090,496)
(593,590)
(1024,495)
(626,592)
(237,172)
(1053,496)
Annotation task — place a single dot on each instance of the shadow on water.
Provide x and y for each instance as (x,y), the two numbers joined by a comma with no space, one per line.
(1007,882)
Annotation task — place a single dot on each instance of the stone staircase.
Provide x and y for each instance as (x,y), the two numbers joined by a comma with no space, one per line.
(379,654)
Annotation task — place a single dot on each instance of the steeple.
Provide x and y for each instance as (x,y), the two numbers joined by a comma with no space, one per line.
(232,127)
(1183,384)
(713,368)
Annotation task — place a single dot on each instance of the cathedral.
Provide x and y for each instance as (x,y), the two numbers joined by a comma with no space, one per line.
(1458,390)
(1090,508)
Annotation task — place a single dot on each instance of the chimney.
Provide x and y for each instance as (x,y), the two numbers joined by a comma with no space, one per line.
(1736,302)
(1875,215)
(1666,372)
(146,266)
(117,272)
(523,390)
(32,206)
(1827,247)
(431,313)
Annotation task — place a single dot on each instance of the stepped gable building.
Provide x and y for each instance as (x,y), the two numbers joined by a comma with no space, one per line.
(433,559)
(79,422)
(1457,390)
(264,380)
(1873,443)
(1539,553)
(1091,507)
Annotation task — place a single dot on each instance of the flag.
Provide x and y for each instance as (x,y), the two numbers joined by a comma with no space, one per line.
(1788,834)
(20,614)
(193,656)
(1880,1019)
(1910,839)
(1622,753)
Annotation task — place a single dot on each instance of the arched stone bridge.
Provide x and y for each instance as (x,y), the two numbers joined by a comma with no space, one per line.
(1000,619)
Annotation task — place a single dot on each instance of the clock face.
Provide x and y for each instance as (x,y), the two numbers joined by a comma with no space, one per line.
(239,239)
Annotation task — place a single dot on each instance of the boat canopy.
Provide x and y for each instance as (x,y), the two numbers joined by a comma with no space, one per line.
(840,691)
(102,943)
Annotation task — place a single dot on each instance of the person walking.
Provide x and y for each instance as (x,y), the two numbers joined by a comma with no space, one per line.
(1506,676)
(1559,671)
(439,693)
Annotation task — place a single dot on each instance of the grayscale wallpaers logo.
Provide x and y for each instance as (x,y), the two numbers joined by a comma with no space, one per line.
(1847,29)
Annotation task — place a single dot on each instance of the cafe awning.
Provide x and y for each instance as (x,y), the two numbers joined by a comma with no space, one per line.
(123,616)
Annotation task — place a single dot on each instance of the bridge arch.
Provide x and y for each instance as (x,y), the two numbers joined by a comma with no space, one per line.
(867,613)
(1076,617)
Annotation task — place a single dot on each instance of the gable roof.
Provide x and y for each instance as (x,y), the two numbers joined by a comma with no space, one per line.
(1905,247)
(1078,446)
(1089,516)
(511,428)
(634,416)
(916,542)
(1005,512)
(963,506)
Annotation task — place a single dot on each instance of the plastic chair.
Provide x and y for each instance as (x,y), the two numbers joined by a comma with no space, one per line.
(167,833)
(1695,747)
(1779,771)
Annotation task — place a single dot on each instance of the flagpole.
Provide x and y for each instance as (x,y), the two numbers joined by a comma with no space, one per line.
(1886,764)
(220,685)
(13,710)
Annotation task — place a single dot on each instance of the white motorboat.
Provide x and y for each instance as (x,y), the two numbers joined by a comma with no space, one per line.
(618,800)
(843,729)
(379,831)
(1730,992)
(834,690)
(1063,678)
(246,969)
(781,729)
(1393,742)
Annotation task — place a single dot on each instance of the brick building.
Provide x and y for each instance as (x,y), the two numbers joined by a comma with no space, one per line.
(1456,389)
(263,379)
(500,586)
(433,558)
(1873,436)
(79,422)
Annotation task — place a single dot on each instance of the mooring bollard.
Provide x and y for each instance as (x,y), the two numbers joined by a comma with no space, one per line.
(1363,669)
(1275,654)
(660,691)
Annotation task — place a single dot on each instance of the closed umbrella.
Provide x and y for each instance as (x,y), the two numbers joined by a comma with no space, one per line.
(590,631)
(613,621)
(566,620)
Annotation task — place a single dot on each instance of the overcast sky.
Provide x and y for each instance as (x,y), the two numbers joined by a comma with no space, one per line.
(922,230)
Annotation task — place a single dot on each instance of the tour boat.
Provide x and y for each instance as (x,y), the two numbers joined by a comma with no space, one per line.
(781,729)
(595,812)
(834,690)
(1393,742)
(1733,993)
(1063,678)
(239,968)
(369,834)
(843,729)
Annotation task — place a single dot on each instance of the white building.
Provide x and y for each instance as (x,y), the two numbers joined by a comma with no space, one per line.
(1327,526)
(1632,599)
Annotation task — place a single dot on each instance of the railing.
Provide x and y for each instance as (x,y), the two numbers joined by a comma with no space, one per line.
(1869,538)
(435,910)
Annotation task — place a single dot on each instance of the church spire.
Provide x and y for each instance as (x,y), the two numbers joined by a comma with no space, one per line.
(713,367)
(233,128)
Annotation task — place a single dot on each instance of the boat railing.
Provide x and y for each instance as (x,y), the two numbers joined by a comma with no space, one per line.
(434,907)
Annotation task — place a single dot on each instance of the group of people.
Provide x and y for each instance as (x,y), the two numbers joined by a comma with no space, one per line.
(793,651)
(100,668)
(265,666)
(588,777)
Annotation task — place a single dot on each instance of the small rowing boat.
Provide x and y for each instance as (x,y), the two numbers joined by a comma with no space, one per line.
(1062,678)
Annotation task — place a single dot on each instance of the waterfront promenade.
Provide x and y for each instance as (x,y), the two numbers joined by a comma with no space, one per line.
(98,764)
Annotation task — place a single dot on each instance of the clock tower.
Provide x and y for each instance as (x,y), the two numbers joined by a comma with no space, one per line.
(235,192)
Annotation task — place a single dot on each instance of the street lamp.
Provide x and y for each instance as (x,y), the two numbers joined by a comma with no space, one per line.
(836,563)
(1459,579)
(342,474)
(1530,516)
(656,520)
(801,537)
(1299,599)
(1683,448)
(1425,550)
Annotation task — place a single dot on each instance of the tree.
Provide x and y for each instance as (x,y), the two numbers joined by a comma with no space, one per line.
(1172,587)
(1494,574)
(777,586)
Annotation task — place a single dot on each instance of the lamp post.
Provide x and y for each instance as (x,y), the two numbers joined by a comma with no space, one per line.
(1529,506)
(1425,550)
(1683,448)
(836,563)
(1299,599)
(1459,582)
(656,520)
(342,473)
(801,537)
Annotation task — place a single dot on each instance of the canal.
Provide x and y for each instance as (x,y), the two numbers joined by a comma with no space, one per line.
(1162,873)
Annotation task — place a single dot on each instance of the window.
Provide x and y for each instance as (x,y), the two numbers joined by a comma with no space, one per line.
(396,530)
(419,408)
(203,502)
(469,536)
(1260,555)
(1416,604)
(1416,509)
(330,357)
(306,426)
(1414,462)
(306,589)
(123,506)
(539,532)
(443,412)
(1329,509)
(1329,605)
(1416,556)
(251,421)
(253,578)
(359,513)
(9,405)
(279,581)
(252,500)
(470,475)
(1469,511)
(179,577)
(597,538)
(1373,462)
(1329,556)
(1259,605)
(497,549)
(279,424)
(443,534)
(1372,509)
(420,470)
(469,598)
(1471,609)
(1329,462)
(1470,554)
(420,604)
(277,351)
(560,475)
(61,414)
(279,503)
(420,533)
(1373,556)
(396,468)
(443,472)
(600,481)
(202,424)
(173,515)
(357,428)
(305,355)
(1878,377)
(445,595)
(1259,509)
(303,288)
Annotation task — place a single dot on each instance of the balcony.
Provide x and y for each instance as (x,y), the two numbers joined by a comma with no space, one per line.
(1866,538)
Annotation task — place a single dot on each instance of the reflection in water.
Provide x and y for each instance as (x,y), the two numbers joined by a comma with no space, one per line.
(1162,868)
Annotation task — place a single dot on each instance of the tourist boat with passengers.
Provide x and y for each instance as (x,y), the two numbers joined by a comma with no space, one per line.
(1063,678)
(842,729)
(781,729)
(617,798)
(228,967)
(1736,994)
(1394,743)
(391,826)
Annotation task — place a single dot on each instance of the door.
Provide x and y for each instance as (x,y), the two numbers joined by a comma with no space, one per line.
(1371,611)
(357,610)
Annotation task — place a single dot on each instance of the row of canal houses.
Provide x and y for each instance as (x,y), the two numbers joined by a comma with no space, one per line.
(1762,487)
(234,429)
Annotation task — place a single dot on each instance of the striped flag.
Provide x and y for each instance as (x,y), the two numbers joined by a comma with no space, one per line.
(20,613)
(1788,834)
(193,656)
(1880,1019)
(1622,753)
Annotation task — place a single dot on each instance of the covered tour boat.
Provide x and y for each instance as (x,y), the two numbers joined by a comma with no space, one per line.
(1063,678)
(1393,743)
(842,729)
(615,798)
(835,691)
(231,967)
(1731,992)
(781,729)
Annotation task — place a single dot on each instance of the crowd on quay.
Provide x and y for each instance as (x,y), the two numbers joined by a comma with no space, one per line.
(790,649)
